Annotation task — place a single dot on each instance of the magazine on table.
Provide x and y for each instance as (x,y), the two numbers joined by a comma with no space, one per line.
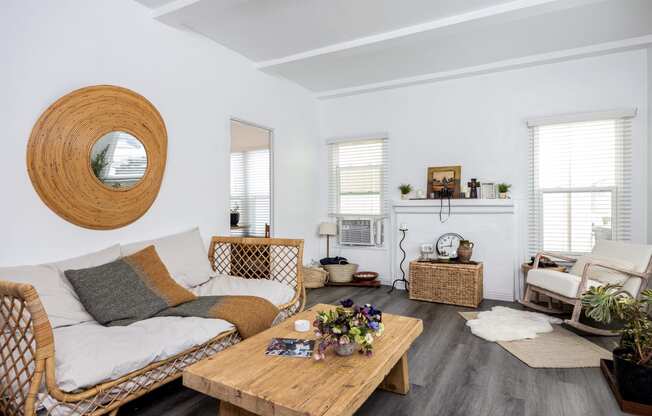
(290,347)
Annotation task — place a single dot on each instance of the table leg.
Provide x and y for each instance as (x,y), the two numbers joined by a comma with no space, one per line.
(398,379)
(228,409)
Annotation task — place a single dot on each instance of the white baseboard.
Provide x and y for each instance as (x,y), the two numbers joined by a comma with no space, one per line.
(499,295)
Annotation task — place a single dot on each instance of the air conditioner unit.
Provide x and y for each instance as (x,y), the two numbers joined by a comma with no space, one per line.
(360,231)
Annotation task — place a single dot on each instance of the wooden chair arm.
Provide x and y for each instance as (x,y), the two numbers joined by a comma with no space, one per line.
(26,343)
(540,254)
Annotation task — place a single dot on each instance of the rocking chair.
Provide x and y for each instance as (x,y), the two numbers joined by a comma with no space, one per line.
(610,262)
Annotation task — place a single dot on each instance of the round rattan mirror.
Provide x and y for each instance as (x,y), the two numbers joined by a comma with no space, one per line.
(96,156)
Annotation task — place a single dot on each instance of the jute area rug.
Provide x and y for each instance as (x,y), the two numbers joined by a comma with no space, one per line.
(560,348)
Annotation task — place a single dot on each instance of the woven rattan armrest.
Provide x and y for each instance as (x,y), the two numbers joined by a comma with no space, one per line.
(27,342)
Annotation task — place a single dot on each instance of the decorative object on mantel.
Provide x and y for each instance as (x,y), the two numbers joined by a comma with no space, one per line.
(420,194)
(447,245)
(452,283)
(465,251)
(503,189)
(488,190)
(403,229)
(444,182)
(405,189)
(64,163)
(328,229)
(473,188)
(632,367)
(347,328)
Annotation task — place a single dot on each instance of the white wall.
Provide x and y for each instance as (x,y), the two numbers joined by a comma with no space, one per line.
(50,48)
(479,123)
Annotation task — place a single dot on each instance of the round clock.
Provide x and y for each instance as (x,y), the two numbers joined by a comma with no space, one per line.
(447,245)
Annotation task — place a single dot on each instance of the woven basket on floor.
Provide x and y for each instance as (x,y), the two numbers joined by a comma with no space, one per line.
(314,277)
(341,273)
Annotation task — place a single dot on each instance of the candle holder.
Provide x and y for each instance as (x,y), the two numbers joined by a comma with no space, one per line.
(403,229)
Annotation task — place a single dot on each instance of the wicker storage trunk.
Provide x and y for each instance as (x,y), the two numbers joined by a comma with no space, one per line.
(456,284)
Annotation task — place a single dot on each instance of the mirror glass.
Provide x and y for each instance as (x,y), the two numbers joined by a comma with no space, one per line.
(119,160)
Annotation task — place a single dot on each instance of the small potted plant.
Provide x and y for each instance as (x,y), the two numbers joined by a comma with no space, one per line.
(346,328)
(633,357)
(235,216)
(405,189)
(503,189)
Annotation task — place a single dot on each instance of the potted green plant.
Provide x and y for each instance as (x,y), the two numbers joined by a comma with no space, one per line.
(503,189)
(99,162)
(405,189)
(633,357)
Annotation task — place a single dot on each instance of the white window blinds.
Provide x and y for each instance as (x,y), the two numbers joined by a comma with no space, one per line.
(580,184)
(358,177)
(250,190)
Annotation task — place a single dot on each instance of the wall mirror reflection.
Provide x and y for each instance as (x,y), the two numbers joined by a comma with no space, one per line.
(118,160)
(251,180)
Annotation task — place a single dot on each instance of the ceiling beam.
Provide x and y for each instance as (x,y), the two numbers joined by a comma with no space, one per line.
(500,9)
(532,60)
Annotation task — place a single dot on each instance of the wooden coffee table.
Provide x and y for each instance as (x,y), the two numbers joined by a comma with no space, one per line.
(248,382)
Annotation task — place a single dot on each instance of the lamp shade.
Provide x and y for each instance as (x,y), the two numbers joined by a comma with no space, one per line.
(327,228)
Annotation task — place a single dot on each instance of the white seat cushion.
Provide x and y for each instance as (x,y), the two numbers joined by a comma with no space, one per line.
(89,353)
(221,285)
(565,284)
(183,254)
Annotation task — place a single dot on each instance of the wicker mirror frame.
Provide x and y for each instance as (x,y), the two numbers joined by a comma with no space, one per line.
(59,151)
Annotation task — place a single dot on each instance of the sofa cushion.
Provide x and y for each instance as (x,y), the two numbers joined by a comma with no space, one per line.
(134,287)
(183,254)
(565,284)
(89,353)
(602,274)
(221,285)
(61,305)
(636,254)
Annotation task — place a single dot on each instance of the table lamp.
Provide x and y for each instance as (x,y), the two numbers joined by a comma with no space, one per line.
(328,229)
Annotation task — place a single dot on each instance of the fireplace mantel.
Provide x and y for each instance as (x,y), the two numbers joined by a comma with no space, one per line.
(490,223)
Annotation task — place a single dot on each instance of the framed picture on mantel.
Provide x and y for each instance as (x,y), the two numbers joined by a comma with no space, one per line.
(444,182)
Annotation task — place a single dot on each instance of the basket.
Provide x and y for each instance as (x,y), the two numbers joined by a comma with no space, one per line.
(341,273)
(314,277)
(456,284)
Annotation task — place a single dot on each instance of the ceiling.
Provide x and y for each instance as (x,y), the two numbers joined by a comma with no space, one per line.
(339,47)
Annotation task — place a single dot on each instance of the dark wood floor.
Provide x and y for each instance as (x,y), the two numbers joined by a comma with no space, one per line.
(452,373)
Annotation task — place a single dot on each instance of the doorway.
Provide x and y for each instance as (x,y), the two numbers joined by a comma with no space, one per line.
(251,179)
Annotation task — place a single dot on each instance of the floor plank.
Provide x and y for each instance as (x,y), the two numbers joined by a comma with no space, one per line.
(452,372)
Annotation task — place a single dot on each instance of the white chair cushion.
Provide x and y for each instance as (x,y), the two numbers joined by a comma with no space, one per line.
(636,254)
(565,284)
(221,285)
(60,303)
(183,254)
(89,353)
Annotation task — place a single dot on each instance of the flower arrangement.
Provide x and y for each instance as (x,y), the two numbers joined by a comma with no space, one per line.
(348,325)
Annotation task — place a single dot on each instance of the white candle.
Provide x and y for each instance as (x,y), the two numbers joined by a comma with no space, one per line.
(302,325)
(403,227)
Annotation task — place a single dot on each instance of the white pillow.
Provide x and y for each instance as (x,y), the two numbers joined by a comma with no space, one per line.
(600,273)
(61,305)
(94,259)
(223,285)
(183,254)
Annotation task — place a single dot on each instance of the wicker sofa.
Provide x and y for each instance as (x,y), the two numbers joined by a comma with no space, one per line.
(28,367)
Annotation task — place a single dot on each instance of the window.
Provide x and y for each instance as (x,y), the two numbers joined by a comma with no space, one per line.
(358,178)
(250,180)
(580,189)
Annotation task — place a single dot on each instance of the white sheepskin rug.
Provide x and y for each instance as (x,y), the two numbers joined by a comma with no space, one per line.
(506,324)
